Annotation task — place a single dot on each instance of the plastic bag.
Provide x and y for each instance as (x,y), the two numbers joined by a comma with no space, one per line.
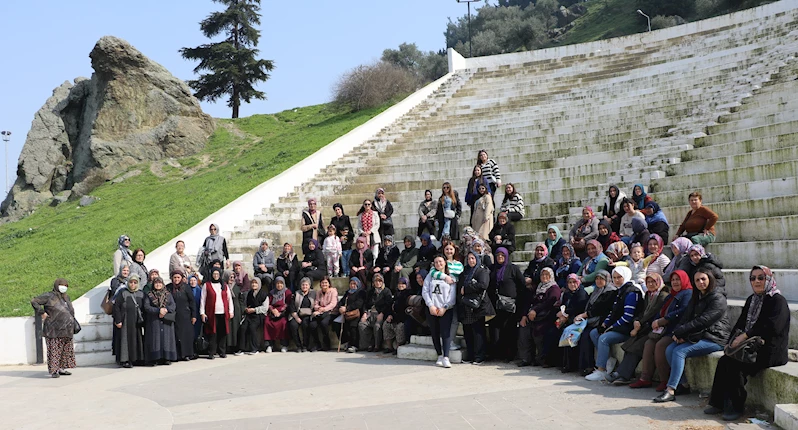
(572,333)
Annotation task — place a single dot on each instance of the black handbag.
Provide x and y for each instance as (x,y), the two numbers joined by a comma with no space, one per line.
(200,343)
(746,351)
(506,304)
(474,302)
(169,318)
(76,328)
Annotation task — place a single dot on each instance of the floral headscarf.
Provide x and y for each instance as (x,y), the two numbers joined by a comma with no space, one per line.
(699,249)
(757,299)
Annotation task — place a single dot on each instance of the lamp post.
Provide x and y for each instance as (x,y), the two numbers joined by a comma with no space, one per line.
(470,54)
(6,137)
(647,17)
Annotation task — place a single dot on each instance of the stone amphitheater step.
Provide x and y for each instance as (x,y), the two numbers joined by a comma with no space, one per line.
(768,170)
(769,142)
(749,190)
(420,348)
(732,162)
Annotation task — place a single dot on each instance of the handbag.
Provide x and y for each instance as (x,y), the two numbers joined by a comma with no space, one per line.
(169,318)
(474,302)
(305,312)
(746,351)
(449,213)
(200,343)
(506,304)
(415,308)
(139,316)
(107,305)
(572,333)
(76,328)
(352,315)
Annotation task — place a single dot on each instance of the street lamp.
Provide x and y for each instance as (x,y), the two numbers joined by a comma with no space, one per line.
(470,54)
(6,137)
(649,19)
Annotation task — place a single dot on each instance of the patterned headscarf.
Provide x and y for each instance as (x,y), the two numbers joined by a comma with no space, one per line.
(660,245)
(757,299)
(545,251)
(543,287)
(158,297)
(683,244)
(125,250)
(699,249)
(619,249)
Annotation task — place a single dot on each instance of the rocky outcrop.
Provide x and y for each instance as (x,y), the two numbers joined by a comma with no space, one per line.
(131,110)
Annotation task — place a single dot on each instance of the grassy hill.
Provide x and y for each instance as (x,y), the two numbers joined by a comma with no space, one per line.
(164,199)
(605,19)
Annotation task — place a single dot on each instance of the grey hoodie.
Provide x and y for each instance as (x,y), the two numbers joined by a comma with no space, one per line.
(436,292)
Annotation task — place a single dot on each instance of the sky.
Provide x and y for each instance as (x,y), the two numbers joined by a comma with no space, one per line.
(313,42)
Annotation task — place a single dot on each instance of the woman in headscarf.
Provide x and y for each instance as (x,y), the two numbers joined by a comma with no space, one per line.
(507,284)
(353,300)
(159,328)
(384,208)
(656,262)
(583,231)
(612,211)
(640,197)
(312,224)
(653,354)
(214,248)
(482,213)
(361,261)
(449,209)
(256,306)
(483,250)
(119,283)
(386,263)
(275,327)
(595,262)
(700,259)
(185,315)
(618,324)
(618,252)
(503,234)
(241,278)
(640,233)
(288,266)
(703,329)
(196,289)
(472,191)
(300,310)
(407,259)
(568,264)
(122,253)
(138,267)
(599,305)
(314,265)
(535,267)
(574,298)
(606,236)
(238,297)
(554,242)
(475,306)
(263,263)
(151,275)
(656,293)
(679,247)
(767,315)
(128,323)
(58,317)
(427,210)
(655,218)
(538,322)
(368,226)
(377,306)
(216,310)
(426,252)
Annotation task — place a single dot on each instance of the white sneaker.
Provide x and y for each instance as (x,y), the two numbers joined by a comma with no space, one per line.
(239,353)
(611,362)
(284,349)
(446,363)
(597,375)
(268,349)
(351,350)
(255,352)
(439,363)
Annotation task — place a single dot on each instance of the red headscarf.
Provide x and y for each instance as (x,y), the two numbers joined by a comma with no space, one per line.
(686,285)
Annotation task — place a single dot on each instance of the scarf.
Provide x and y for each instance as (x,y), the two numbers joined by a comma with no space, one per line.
(275,294)
(214,242)
(608,287)
(312,211)
(625,272)
(605,239)
(240,275)
(641,199)
(387,249)
(686,285)
(362,251)
(700,250)
(613,203)
(565,266)
(289,256)
(638,225)
(379,204)
(314,220)
(500,268)
(550,243)
(417,286)
(367,220)
(682,244)
(126,257)
(543,287)
(585,227)
(652,295)
(469,271)
(255,298)
(757,299)
(428,249)
(158,297)
(619,249)
(660,245)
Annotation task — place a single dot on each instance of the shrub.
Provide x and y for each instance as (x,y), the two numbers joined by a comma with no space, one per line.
(660,21)
(371,85)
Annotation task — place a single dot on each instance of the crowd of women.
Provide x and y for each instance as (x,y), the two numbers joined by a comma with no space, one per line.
(609,282)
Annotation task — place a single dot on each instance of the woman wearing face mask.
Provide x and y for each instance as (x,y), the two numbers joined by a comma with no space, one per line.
(427,210)
(216,310)
(159,328)
(703,329)
(766,315)
(128,322)
(312,225)
(58,317)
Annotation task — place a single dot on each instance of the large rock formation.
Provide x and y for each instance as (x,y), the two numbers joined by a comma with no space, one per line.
(131,110)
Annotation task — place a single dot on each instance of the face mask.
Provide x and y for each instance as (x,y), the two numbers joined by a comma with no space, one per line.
(62,289)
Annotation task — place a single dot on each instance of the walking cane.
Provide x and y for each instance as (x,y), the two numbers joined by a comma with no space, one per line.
(341,334)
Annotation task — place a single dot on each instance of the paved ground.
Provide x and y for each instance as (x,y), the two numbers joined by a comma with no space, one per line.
(330,391)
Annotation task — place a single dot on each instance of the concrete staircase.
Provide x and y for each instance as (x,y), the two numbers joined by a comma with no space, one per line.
(420,348)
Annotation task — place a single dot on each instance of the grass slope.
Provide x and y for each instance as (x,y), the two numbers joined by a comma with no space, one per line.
(605,19)
(153,207)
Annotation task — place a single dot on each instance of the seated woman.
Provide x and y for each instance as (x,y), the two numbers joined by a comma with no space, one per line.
(426,253)
(378,304)
(159,328)
(440,296)
(566,266)
(408,258)
(483,250)
(256,306)
(263,263)
(512,204)
(300,311)
(275,326)
(314,265)
(766,315)
(606,236)
(662,326)
(599,306)
(393,327)
(594,263)
(472,288)
(612,211)
(386,262)
(535,267)
(538,322)
(323,309)
(655,218)
(656,262)
(656,293)
(503,234)
(699,223)
(585,230)
(350,308)
(703,329)
(679,247)
(699,259)
(640,233)
(507,284)
(626,231)
(554,242)
(448,215)
(426,214)
(618,324)
(618,252)
(288,266)
(361,262)
(574,298)
(482,215)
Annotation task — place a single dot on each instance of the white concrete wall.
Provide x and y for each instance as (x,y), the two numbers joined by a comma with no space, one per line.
(18,341)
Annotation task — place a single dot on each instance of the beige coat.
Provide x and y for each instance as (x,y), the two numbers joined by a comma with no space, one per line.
(482,221)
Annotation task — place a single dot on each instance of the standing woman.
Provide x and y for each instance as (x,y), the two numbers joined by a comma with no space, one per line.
(185,311)
(229,280)
(475,306)
(507,284)
(340,220)
(482,213)
(385,210)
(766,315)
(179,261)
(472,192)
(216,309)
(122,253)
(196,290)
(214,248)
(128,322)
(288,266)
(138,267)
(159,329)
(449,209)
(490,171)
(119,283)
(426,214)
(59,327)
(368,226)
(312,224)
(439,297)
(513,203)
(537,323)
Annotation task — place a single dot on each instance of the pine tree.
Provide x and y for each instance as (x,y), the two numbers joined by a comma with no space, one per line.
(232,64)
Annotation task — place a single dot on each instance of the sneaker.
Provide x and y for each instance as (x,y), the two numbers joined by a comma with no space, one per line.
(351,349)
(284,349)
(612,376)
(640,383)
(477,362)
(268,349)
(597,375)
(611,362)
(454,347)
(621,381)
(239,353)
(446,363)
(439,363)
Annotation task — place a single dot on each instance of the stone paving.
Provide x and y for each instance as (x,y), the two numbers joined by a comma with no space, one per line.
(331,391)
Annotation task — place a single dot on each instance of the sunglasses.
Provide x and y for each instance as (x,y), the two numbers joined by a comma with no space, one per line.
(757,278)
(366,204)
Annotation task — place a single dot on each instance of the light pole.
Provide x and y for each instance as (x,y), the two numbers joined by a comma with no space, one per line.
(6,137)
(647,17)
(470,54)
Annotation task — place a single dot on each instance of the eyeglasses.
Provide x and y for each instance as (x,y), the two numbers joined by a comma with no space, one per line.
(366,204)
(756,278)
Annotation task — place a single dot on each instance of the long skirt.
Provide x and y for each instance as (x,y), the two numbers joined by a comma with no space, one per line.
(275,329)
(60,354)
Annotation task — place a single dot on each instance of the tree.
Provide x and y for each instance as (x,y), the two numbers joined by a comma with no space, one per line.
(232,64)
(427,66)
(371,85)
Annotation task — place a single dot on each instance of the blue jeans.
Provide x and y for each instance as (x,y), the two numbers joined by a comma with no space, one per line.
(345,262)
(603,344)
(677,354)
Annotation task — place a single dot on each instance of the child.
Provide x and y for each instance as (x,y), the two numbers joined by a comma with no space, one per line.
(394,325)
(332,251)
(636,264)
(347,237)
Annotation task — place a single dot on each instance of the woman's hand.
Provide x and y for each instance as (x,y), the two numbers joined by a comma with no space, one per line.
(364,317)
(163,312)
(523,321)
(636,326)
(423,218)
(532,315)
(655,324)
(193,321)
(118,325)
(433,310)
(44,316)
(389,319)
(342,310)
(376,270)
(738,340)
(397,269)
(285,273)
(204,318)
(449,280)
(382,216)
(305,264)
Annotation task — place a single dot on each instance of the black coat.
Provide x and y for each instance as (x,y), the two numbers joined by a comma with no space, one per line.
(535,267)
(619,307)
(353,300)
(284,264)
(574,301)
(511,286)
(454,229)
(368,259)
(706,318)
(602,307)
(340,222)
(381,301)
(773,325)
(128,341)
(387,258)
(386,225)
(307,235)
(399,305)
(316,259)
(710,264)
(480,283)
(651,311)
(185,309)
(507,232)
(60,320)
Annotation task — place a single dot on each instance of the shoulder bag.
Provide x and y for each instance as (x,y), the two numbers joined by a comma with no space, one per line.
(76,328)
(746,351)
(200,343)
(107,305)
(506,304)
(169,318)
